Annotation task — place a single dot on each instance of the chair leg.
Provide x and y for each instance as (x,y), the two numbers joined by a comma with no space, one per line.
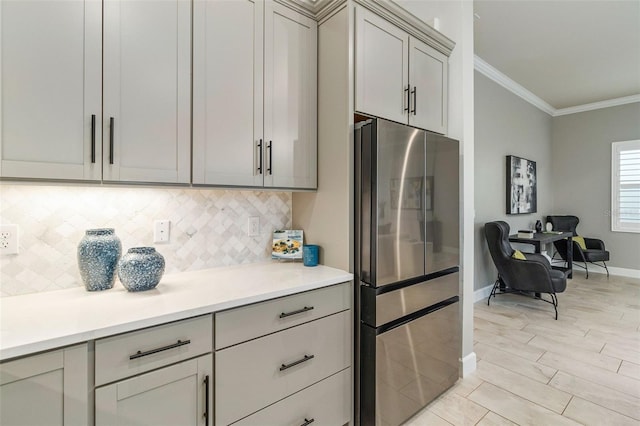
(605,267)
(554,298)
(494,290)
(587,269)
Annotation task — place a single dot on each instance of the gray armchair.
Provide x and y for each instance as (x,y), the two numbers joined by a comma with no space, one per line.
(594,252)
(533,275)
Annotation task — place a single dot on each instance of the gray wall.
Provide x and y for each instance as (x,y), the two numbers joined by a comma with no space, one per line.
(581,153)
(505,125)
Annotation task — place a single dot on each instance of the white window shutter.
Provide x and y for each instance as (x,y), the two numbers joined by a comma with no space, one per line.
(625,186)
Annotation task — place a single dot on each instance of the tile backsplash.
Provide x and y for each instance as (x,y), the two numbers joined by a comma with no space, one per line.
(208,228)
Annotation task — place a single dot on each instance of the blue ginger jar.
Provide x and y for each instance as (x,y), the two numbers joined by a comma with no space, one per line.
(98,254)
(141,268)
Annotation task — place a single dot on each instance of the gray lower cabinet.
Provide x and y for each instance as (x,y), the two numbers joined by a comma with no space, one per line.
(46,389)
(161,375)
(281,361)
(176,395)
(296,370)
(324,403)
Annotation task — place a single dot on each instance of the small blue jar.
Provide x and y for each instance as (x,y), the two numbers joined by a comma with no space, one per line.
(98,254)
(141,269)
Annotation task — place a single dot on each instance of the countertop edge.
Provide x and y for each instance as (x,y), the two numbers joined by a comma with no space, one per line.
(59,342)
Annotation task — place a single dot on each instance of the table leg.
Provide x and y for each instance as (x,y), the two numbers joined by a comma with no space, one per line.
(538,249)
(570,256)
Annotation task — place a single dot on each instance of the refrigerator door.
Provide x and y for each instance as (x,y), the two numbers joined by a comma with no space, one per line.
(442,221)
(392,214)
(407,367)
(383,308)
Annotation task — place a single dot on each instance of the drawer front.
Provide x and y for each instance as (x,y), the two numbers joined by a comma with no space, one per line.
(260,372)
(326,403)
(133,353)
(248,322)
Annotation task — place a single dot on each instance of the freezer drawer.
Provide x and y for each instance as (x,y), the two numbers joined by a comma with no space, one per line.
(381,307)
(405,368)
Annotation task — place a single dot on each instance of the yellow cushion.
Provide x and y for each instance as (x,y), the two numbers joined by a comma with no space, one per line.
(580,240)
(518,255)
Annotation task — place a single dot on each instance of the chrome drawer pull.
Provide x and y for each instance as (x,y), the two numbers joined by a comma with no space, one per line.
(308,421)
(299,311)
(294,363)
(140,354)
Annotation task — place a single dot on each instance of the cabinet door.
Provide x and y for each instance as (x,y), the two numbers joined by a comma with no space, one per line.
(227,92)
(56,383)
(290,42)
(50,88)
(382,67)
(147,65)
(428,70)
(176,395)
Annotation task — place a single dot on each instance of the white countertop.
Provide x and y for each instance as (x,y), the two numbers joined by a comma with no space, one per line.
(43,321)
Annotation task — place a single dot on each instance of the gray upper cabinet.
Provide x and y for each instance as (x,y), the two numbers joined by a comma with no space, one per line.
(51,89)
(228,92)
(429,76)
(53,125)
(254,95)
(398,76)
(147,91)
(290,98)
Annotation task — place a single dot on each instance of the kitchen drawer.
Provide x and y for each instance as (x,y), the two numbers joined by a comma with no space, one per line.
(260,372)
(151,348)
(326,403)
(251,321)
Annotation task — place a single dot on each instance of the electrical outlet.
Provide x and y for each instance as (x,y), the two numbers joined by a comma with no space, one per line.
(161,231)
(9,239)
(253,226)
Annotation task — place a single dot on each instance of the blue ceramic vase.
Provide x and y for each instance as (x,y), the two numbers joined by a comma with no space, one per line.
(98,254)
(141,268)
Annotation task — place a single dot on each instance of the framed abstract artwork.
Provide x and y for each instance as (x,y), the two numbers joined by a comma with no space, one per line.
(522,186)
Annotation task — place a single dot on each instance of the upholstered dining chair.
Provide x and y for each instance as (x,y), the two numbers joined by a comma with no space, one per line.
(585,250)
(533,274)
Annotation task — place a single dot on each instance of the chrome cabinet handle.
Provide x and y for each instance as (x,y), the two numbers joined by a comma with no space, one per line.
(294,363)
(260,150)
(270,169)
(112,127)
(206,400)
(308,421)
(414,92)
(179,343)
(299,311)
(408,97)
(93,138)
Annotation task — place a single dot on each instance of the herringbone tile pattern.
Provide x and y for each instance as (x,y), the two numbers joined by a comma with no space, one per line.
(208,228)
(583,368)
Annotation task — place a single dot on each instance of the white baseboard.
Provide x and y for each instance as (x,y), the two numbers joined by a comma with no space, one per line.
(620,272)
(468,364)
(482,293)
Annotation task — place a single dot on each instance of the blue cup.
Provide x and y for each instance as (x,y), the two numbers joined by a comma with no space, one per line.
(310,254)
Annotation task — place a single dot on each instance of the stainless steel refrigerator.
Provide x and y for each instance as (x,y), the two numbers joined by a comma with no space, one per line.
(407,269)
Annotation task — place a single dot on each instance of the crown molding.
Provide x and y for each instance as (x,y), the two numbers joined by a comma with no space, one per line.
(493,74)
(314,9)
(484,68)
(598,105)
(411,24)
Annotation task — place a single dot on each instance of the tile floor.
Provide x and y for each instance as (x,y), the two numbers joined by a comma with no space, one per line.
(583,368)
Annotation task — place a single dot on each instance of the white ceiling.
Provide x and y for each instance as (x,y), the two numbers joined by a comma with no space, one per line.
(566,52)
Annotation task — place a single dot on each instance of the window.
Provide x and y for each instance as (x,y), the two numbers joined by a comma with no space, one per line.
(625,186)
